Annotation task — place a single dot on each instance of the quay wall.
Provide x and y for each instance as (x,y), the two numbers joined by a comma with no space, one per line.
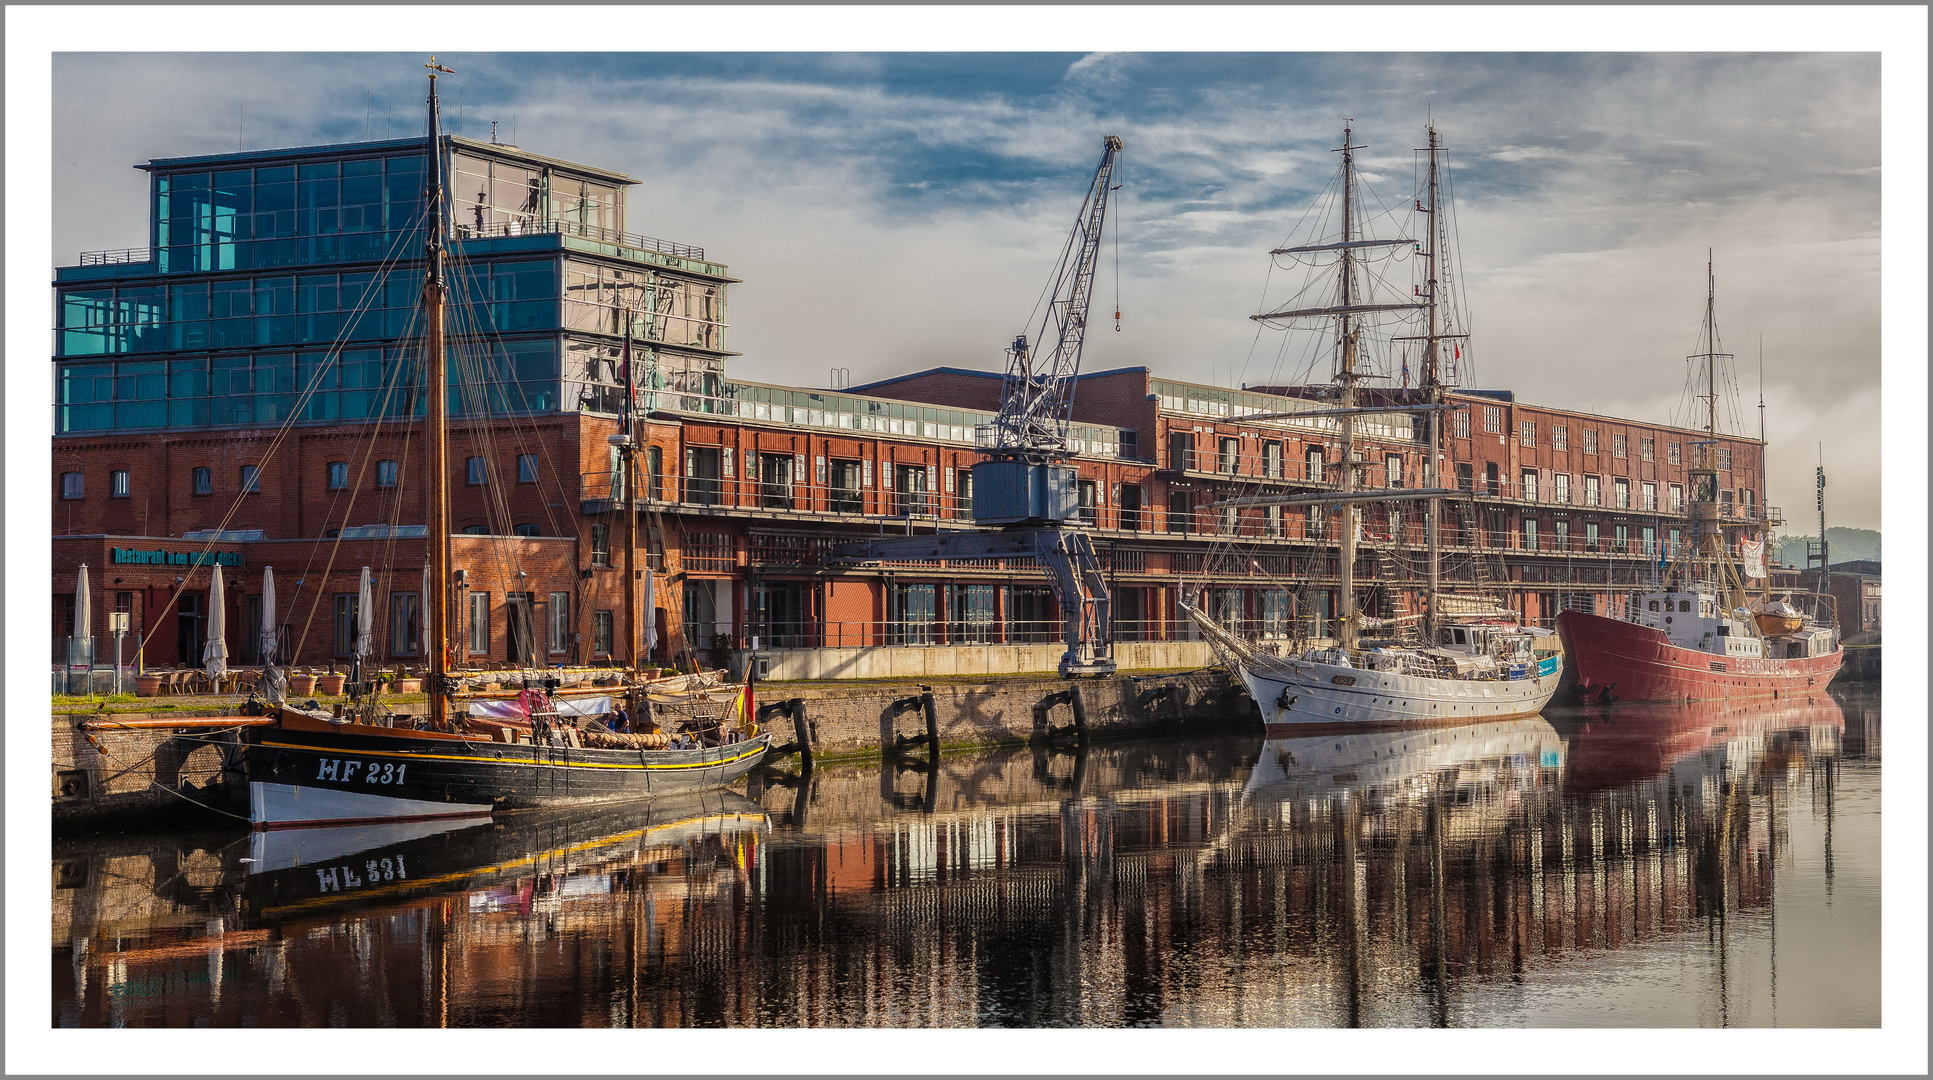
(867,720)
(1861,664)
(925,662)
(159,778)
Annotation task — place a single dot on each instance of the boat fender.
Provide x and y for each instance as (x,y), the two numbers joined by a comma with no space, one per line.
(1285,700)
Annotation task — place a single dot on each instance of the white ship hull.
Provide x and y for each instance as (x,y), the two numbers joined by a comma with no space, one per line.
(1306,692)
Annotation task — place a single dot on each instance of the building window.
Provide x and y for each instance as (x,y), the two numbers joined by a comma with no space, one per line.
(775,481)
(1529,490)
(1527,432)
(1393,470)
(963,504)
(1181,451)
(1724,457)
(1313,464)
(1229,520)
(526,529)
(913,614)
(479,636)
(1460,423)
(386,474)
(204,480)
(1647,496)
(251,479)
(1492,420)
(1650,536)
(1590,440)
(1313,527)
(1272,460)
(910,489)
(1671,453)
(117,484)
(702,483)
(1085,510)
(405,623)
(1560,535)
(1561,488)
(560,622)
(1620,537)
(1619,444)
(1560,437)
(1647,448)
(846,496)
(1621,488)
(477,469)
(1179,513)
(338,475)
(73,485)
(526,468)
(1592,493)
(1676,493)
(1590,536)
(1530,534)
(1272,521)
(1745,501)
(345,624)
(476,530)
(1230,457)
(601,632)
(600,544)
(653,472)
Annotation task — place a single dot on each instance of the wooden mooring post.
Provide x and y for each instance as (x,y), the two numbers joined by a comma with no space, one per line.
(930,738)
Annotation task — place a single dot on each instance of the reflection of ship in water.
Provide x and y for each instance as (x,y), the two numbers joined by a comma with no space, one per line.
(1474,761)
(1618,747)
(266,910)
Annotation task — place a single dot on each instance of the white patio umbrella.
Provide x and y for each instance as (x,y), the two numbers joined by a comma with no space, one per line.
(650,614)
(365,604)
(214,655)
(83,622)
(270,628)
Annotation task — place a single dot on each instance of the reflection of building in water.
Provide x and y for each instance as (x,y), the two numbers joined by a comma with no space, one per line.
(1139,884)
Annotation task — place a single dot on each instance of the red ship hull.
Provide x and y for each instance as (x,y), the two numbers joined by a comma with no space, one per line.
(1622,661)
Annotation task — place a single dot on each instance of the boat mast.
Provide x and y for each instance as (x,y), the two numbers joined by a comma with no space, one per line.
(627,450)
(1432,396)
(1347,377)
(436,620)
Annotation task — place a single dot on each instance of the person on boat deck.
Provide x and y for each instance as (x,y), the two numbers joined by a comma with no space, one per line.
(621,720)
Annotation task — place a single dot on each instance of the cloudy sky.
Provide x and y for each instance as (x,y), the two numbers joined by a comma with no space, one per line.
(890,211)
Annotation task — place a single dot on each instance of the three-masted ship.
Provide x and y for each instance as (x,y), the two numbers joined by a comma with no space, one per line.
(368,764)
(1473,660)
(1701,634)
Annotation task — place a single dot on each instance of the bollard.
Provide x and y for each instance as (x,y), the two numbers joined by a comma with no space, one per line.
(801,731)
(1080,714)
(932,725)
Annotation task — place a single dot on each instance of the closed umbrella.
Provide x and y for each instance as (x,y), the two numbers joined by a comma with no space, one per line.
(270,628)
(80,640)
(650,612)
(214,655)
(365,604)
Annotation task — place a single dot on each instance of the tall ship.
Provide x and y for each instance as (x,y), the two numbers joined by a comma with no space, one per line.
(474,752)
(1472,659)
(1701,634)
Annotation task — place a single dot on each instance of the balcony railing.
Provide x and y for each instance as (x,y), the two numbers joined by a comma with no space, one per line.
(116,256)
(588,232)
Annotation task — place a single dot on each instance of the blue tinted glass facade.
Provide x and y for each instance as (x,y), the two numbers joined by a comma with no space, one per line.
(286,286)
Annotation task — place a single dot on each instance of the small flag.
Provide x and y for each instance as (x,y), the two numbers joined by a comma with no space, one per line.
(1406,373)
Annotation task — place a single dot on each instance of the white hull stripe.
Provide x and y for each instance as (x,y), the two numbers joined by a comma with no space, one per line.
(281,805)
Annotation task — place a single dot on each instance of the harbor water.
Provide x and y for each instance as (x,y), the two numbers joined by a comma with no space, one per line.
(1630,866)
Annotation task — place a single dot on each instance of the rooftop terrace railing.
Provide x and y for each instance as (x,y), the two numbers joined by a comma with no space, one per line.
(116,256)
(588,232)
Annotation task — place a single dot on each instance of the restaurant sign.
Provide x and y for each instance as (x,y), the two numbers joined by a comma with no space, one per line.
(174,558)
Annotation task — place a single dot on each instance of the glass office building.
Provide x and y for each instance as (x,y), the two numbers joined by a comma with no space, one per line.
(285,284)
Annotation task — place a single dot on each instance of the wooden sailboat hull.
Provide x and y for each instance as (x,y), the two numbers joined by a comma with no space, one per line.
(1302,693)
(298,776)
(1639,663)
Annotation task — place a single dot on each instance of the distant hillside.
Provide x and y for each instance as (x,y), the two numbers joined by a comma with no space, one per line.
(1847,545)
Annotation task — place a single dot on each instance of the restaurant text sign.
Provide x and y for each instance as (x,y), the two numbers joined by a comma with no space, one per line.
(174,558)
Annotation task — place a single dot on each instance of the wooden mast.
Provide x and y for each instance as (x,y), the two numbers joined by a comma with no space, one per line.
(1432,395)
(436,623)
(1348,377)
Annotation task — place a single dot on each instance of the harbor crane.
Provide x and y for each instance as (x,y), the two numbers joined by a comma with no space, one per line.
(1025,487)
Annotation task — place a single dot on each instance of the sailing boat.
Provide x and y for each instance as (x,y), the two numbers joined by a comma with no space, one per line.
(1474,662)
(305,768)
(1701,636)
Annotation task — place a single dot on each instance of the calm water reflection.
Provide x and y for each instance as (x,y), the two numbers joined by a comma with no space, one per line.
(1634,866)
